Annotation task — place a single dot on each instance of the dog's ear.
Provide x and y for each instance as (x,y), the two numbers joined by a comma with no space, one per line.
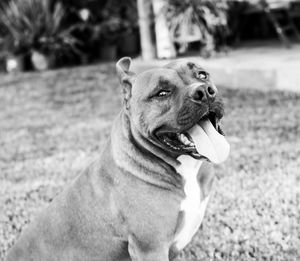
(126,78)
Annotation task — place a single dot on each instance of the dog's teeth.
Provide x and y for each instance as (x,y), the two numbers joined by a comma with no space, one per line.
(185,140)
(173,147)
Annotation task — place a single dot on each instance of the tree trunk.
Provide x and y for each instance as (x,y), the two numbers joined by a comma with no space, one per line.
(146,22)
(164,46)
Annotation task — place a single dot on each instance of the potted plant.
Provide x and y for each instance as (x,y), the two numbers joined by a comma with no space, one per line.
(15,39)
(36,28)
(110,30)
(195,20)
(128,41)
(129,37)
(55,40)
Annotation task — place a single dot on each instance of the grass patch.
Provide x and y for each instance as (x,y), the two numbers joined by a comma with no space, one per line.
(53,123)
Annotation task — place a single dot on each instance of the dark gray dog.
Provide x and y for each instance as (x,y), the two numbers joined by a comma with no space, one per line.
(146,196)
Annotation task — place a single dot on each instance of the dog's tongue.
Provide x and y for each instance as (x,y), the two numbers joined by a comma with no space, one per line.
(209,142)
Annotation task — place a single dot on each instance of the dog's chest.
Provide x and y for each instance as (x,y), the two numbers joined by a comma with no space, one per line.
(192,206)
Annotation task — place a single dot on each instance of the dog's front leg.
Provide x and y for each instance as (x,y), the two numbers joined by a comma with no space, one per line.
(141,251)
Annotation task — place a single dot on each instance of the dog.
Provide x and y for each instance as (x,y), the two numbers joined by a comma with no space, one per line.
(146,195)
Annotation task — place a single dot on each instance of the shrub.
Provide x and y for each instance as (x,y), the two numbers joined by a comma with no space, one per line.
(36,25)
(196,19)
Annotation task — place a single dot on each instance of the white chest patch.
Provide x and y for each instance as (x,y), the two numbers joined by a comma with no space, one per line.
(193,206)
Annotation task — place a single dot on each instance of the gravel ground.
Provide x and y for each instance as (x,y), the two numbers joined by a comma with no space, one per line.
(52,123)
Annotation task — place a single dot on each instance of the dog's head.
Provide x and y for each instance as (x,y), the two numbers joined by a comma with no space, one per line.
(164,103)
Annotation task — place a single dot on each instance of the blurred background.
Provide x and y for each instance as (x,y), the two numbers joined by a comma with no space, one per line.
(42,34)
(59,95)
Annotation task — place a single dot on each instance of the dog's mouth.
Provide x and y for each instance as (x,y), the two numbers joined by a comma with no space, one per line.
(192,141)
(182,142)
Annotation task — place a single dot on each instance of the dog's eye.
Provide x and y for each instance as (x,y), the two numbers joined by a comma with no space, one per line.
(201,75)
(162,93)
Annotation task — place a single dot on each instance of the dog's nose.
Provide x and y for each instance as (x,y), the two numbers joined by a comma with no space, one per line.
(201,93)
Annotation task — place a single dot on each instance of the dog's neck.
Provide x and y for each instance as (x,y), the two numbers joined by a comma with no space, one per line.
(135,155)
